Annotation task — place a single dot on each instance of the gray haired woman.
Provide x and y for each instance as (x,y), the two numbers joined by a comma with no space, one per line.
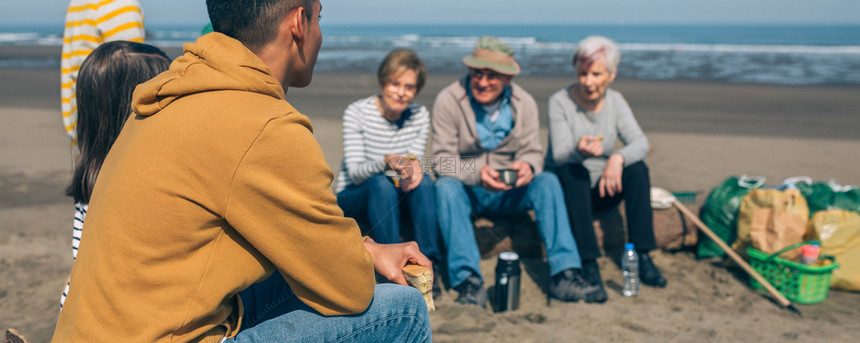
(586,119)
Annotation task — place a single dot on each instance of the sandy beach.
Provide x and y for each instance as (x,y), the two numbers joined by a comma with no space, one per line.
(701,134)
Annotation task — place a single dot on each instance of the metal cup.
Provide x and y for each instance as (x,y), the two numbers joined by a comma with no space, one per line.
(508,176)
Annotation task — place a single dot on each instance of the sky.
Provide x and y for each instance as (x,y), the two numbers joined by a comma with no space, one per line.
(46,12)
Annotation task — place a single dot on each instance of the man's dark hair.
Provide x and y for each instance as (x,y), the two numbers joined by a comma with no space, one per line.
(252,22)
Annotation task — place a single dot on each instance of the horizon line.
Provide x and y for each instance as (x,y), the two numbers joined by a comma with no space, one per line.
(438,23)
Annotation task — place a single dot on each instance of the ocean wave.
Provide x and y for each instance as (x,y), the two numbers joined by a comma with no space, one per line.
(737,48)
(360,51)
(533,43)
(178,37)
(17,37)
(414,40)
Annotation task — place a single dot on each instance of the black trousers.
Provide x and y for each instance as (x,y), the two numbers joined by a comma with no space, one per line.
(582,201)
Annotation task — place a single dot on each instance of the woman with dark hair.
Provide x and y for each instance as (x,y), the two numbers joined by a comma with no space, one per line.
(384,137)
(586,119)
(106,81)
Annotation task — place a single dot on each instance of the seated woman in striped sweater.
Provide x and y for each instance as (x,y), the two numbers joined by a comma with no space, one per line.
(384,137)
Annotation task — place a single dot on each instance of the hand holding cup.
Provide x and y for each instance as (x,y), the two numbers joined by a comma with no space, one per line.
(403,170)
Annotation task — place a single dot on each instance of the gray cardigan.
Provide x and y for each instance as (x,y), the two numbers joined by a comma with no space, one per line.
(569,122)
(456,148)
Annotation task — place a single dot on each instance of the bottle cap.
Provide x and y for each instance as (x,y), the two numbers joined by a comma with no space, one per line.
(809,250)
(628,246)
(509,256)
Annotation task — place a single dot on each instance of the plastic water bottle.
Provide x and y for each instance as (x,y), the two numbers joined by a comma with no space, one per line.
(630,270)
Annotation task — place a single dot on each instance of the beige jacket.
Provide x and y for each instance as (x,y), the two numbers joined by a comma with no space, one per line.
(456,148)
(214,184)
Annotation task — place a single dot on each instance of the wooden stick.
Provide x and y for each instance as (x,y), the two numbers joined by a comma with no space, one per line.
(781,299)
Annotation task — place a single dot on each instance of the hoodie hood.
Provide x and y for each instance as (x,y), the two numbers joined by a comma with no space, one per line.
(214,62)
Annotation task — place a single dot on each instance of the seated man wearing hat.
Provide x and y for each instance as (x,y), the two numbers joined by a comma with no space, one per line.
(481,124)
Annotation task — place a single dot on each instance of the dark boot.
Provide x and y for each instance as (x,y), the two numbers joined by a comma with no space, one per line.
(592,275)
(472,292)
(648,272)
(570,285)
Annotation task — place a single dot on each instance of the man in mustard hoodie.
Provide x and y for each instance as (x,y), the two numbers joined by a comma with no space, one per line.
(215,184)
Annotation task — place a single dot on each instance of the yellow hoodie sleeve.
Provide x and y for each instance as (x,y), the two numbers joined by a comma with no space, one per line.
(281,202)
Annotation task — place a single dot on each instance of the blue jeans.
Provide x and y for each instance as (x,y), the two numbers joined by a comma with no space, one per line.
(456,202)
(378,202)
(274,314)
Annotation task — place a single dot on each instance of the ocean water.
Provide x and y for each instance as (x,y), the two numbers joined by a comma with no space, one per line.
(770,54)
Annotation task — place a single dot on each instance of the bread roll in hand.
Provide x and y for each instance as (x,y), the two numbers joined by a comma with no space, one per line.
(422,279)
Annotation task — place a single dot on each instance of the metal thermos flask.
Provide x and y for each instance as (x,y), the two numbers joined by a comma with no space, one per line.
(507,295)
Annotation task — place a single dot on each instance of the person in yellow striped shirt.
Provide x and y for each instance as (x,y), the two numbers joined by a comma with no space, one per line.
(90,23)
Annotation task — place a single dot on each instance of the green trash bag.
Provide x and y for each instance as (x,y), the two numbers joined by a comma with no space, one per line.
(821,196)
(720,212)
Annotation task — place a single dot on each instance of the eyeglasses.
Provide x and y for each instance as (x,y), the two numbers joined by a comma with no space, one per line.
(480,74)
(405,87)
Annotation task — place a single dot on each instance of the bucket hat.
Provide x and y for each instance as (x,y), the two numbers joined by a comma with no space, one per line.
(493,54)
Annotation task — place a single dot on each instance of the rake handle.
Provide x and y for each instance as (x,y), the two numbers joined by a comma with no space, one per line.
(781,299)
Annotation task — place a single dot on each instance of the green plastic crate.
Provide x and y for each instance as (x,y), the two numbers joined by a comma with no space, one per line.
(799,283)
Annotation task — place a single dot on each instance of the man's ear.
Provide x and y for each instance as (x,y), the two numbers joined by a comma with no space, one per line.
(296,22)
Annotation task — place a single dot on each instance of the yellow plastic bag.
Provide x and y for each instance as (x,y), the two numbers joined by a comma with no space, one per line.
(839,233)
(770,220)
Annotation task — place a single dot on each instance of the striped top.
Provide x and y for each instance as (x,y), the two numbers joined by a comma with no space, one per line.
(368,137)
(78,227)
(90,23)
(77,231)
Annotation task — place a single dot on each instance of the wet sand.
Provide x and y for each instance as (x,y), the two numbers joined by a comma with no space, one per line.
(702,133)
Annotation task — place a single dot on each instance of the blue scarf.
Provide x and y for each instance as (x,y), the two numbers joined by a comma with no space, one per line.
(492,133)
